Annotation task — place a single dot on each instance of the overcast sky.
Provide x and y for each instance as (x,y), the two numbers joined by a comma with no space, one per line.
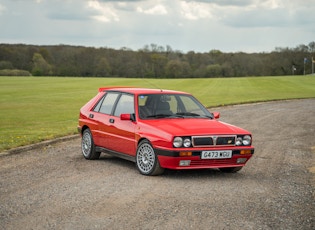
(185,25)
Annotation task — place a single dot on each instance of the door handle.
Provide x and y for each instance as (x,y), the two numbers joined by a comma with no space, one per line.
(111,120)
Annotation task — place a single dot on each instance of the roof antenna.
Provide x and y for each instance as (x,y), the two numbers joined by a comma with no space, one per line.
(150,83)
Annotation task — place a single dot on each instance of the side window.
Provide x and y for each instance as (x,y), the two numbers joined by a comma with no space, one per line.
(125,105)
(146,106)
(106,104)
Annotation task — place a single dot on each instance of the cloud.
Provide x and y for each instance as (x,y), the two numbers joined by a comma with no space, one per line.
(155,10)
(269,13)
(60,10)
(224,2)
(2,8)
(200,25)
(103,13)
(195,10)
(122,1)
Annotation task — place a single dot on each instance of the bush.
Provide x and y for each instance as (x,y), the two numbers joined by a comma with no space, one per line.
(14,72)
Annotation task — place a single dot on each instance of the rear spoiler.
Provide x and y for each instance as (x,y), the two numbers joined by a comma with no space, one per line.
(113,87)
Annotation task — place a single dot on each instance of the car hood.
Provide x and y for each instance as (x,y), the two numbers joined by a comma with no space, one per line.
(193,126)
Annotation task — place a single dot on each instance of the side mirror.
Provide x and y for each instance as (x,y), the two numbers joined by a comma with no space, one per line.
(216,115)
(127,117)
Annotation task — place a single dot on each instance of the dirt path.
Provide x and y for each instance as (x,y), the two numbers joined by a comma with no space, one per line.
(54,187)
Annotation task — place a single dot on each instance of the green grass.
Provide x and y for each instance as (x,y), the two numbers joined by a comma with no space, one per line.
(34,109)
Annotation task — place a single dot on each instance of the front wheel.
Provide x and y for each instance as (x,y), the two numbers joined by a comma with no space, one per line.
(146,160)
(88,147)
(231,170)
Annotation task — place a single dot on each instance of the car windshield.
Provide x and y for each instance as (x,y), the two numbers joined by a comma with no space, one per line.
(153,106)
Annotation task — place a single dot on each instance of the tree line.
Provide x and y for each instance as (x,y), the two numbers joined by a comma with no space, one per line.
(152,61)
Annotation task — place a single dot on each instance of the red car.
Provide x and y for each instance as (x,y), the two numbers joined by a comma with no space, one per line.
(160,129)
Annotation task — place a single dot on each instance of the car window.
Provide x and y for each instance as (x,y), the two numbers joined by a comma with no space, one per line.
(154,104)
(106,104)
(166,105)
(191,106)
(125,105)
(173,104)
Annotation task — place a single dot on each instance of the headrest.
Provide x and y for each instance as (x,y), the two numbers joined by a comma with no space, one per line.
(163,106)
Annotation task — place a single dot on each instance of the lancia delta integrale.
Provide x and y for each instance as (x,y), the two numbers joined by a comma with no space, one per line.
(160,129)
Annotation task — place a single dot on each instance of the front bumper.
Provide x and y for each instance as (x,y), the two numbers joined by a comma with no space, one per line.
(173,160)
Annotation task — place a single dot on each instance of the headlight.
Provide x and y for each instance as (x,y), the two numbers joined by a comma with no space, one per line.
(187,142)
(239,141)
(247,140)
(177,142)
(243,140)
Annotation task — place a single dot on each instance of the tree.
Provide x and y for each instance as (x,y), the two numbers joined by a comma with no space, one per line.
(186,70)
(6,65)
(103,68)
(173,69)
(214,70)
(153,61)
(311,46)
(40,66)
(158,63)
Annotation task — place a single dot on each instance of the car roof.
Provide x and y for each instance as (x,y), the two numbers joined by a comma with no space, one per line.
(135,90)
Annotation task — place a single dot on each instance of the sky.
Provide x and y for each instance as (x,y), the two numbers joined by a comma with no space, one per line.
(184,25)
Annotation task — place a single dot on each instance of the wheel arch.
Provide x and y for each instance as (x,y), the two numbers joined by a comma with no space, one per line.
(141,139)
(84,127)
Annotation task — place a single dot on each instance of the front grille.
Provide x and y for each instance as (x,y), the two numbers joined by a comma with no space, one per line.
(206,141)
(202,141)
(226,140)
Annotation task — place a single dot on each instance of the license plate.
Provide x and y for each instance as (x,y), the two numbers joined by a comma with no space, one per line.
(221,154)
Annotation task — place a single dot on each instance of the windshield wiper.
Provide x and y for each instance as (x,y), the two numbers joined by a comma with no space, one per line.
(160,115)
(193,115)
(180,115)
(188,114)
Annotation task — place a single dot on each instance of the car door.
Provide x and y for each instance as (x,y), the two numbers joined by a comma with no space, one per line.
(121,133)
(101,116)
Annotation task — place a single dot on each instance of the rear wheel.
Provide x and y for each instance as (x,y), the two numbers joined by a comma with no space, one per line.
(88,147)
(231,170)
(146,160)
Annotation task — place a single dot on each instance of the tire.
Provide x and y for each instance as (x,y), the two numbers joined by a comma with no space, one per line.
(88,147)
(146,160)
(231,170)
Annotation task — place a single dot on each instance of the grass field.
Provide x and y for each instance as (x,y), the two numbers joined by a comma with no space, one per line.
(34,109)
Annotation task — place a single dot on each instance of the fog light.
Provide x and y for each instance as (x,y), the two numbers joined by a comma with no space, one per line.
(185,154)
(184,163)
(241,160)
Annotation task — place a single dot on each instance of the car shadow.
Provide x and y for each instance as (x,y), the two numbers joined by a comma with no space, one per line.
(172,174)
(116,160)
(199,173)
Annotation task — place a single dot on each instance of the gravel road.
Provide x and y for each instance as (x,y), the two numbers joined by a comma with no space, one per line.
(54,187)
